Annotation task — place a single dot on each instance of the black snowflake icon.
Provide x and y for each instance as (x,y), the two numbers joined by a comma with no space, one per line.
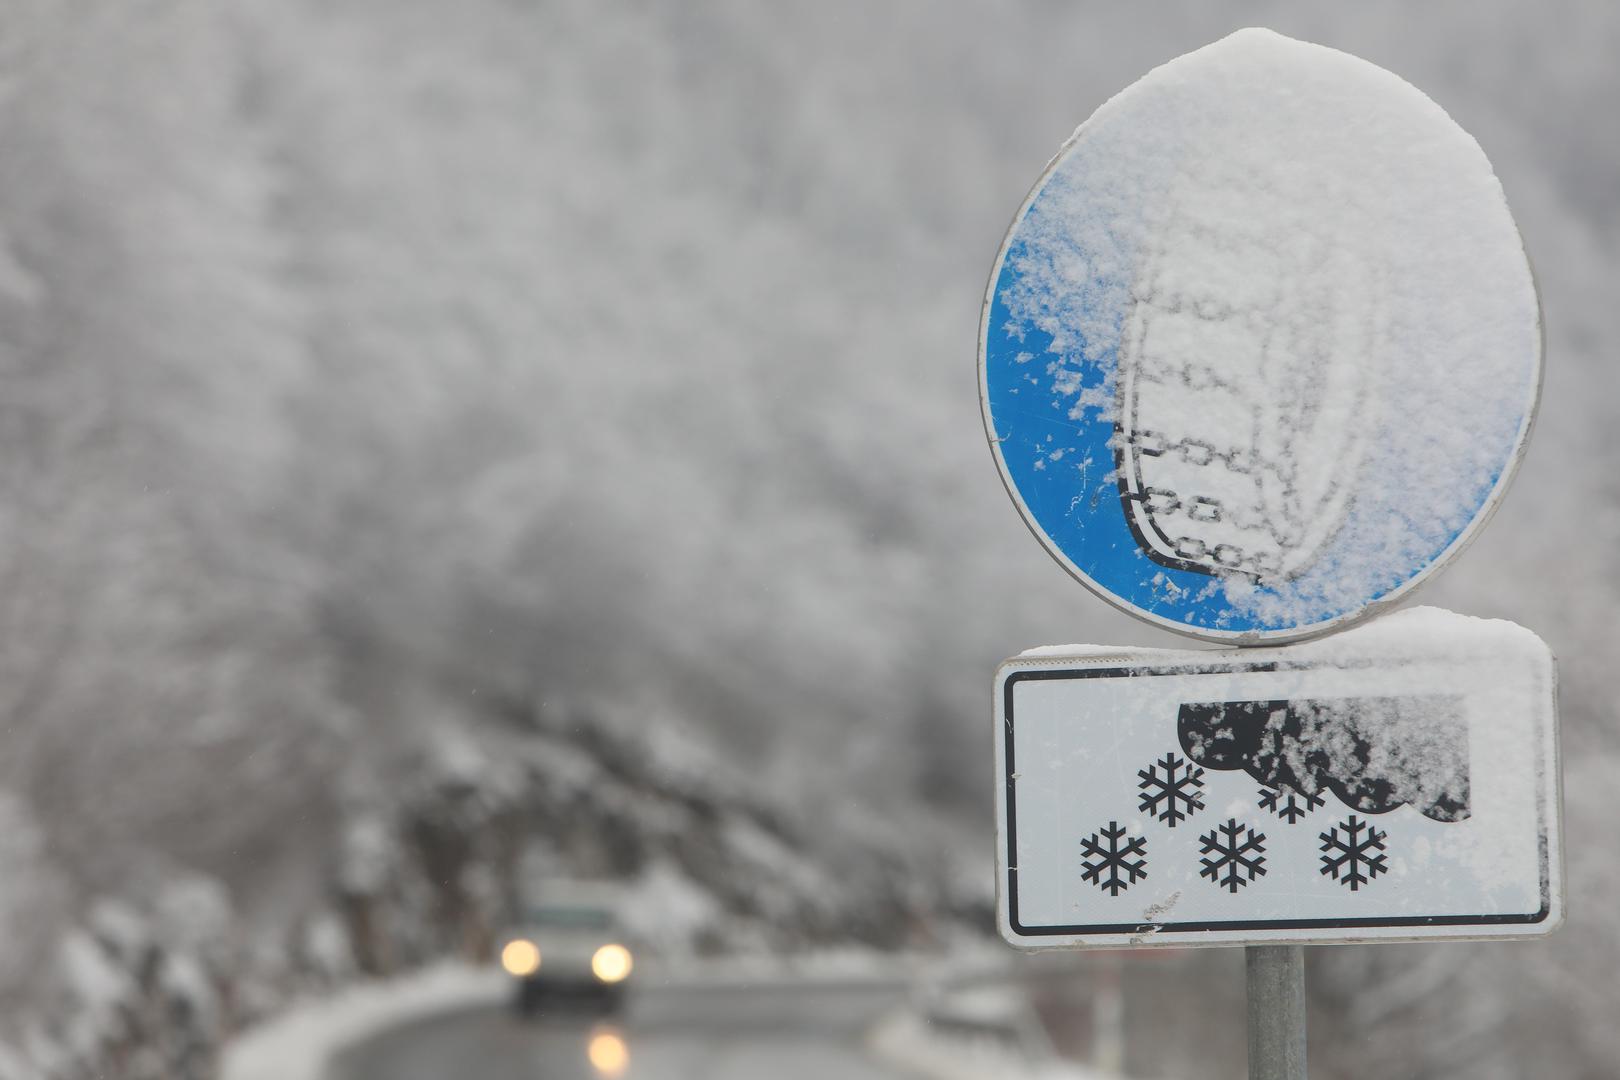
(1238,850)
(1176,794)
(1296,806)
(1348,855)
(1104,865)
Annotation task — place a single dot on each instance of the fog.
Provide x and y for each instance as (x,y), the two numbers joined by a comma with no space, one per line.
(460,416)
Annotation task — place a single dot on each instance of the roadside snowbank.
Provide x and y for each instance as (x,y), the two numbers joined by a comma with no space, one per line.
(906,1041)
(298,1044)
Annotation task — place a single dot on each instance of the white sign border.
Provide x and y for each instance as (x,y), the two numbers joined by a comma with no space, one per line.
(1345,620)
(1127,663)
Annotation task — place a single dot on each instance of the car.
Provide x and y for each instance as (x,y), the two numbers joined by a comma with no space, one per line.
(568,948)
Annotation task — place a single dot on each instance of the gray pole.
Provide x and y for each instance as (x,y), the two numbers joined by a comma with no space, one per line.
(1276,1012)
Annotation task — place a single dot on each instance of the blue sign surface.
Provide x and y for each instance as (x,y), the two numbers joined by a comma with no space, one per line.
(1248,397)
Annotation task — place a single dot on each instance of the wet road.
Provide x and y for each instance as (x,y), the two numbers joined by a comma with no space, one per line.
(742,1032)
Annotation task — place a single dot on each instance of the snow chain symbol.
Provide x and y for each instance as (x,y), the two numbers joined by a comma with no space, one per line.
(1160,502)
(1192,451)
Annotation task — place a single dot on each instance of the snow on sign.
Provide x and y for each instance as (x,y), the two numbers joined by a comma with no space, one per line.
(1262,348)
(1398,781)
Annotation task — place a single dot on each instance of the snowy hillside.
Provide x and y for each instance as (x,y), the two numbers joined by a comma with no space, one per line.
(379,369)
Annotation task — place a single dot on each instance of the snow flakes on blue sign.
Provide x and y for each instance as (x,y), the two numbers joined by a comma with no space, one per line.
(1262,348)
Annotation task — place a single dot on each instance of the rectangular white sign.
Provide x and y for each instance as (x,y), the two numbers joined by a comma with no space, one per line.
(1397,781)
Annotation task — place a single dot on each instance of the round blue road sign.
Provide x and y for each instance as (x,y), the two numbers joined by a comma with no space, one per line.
(1262,348)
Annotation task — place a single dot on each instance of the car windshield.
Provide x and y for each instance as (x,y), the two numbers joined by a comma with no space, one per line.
(571,918)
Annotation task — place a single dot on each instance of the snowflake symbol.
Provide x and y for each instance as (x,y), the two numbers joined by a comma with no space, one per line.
(1180,789)
(1130,858)
(1233,850)
(1292,809)
(1352,853)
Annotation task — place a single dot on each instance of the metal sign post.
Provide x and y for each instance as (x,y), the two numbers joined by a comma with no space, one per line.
(1276,985)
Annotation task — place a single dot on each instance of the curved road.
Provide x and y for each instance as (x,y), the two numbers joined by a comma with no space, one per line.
(737,1032)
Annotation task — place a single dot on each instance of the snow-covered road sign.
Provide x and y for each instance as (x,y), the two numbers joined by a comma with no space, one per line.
(1262,349)
(1396,781)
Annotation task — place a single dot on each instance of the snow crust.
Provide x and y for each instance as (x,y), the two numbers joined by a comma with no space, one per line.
(1292,284)
(1398,635)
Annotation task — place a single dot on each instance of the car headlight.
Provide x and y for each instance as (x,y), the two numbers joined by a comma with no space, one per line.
(611,963)
(520,957)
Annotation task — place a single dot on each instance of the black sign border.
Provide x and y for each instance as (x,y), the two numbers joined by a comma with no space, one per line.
(1138,928)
